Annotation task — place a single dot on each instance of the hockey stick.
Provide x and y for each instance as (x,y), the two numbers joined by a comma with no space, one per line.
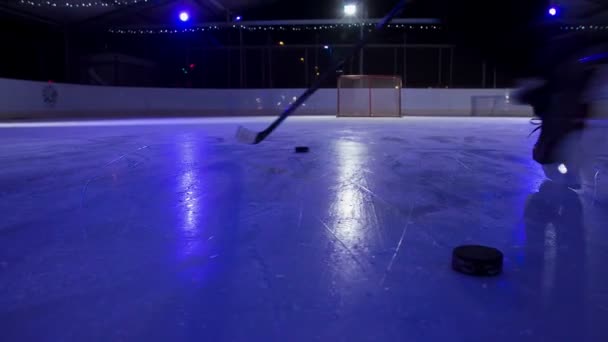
(248,136)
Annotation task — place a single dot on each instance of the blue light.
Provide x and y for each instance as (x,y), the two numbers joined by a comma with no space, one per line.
(238,18)
(184,16)
(552,11)
(594,58)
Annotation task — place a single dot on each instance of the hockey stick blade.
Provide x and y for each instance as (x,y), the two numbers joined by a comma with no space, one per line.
(248,136)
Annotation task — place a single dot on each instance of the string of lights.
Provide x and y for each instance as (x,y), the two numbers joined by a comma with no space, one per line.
(80,3)
(584,28)
(310,28)
(268,28)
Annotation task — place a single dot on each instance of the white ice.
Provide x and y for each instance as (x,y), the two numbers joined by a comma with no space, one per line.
(169,230)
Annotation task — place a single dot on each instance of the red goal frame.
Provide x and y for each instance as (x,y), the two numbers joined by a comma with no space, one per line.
(370,86)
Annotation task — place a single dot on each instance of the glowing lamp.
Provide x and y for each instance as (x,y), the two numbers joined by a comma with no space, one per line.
(552,11)
(350,10)
(184,16)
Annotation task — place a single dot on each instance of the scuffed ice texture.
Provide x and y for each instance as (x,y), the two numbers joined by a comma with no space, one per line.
(172,231)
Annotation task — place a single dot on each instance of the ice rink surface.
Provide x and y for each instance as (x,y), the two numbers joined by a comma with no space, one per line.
(172,231)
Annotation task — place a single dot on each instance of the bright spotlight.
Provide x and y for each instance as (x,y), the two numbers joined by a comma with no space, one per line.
(184,16)
(238,18)
(326,47)
(553,11)
(562,169)
(350,10)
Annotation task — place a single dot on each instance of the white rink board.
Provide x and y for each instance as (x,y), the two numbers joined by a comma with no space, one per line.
(24,100)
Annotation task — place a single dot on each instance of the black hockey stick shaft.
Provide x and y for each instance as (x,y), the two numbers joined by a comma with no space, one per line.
(332,70)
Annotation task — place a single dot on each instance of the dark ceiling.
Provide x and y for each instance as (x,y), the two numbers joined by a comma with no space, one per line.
(112,13)
(133,13)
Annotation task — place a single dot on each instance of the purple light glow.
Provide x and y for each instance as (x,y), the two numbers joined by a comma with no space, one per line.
(553,11)
(184,16)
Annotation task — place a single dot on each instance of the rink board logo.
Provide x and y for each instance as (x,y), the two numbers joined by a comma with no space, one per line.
(50,95)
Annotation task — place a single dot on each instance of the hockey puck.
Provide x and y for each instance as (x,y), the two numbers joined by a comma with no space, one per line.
(477,260)
(302,149)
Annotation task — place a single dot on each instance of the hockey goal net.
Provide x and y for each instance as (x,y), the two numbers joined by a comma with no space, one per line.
(369,96)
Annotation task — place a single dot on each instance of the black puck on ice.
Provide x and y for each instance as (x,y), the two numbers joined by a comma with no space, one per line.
(302,149)
(477,260)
